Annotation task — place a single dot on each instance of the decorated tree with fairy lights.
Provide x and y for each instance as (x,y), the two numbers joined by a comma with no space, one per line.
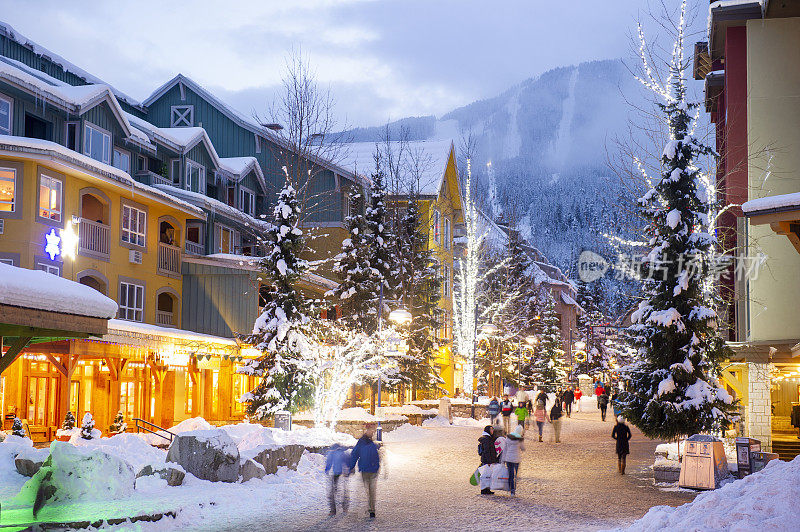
(547,367)
(672,389)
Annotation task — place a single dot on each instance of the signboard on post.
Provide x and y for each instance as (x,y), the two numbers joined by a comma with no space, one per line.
(283,420)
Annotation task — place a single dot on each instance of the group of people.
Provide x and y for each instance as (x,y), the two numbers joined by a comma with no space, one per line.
(604,399)
(341,463)
(496,448)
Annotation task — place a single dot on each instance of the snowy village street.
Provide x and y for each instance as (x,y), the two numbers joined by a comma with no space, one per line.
(573,485)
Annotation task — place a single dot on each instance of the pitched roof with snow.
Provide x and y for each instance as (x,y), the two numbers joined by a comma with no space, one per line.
(782,202)
(425,160)
(214,205)
(14,35)
(239,167)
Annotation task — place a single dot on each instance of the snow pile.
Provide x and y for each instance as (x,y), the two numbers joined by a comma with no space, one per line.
(437,421)
(80,474)
(766,500)
(351,414)
(253,437)
(130,448)
(408,410)
(38,289)
(10,480)
(469,422)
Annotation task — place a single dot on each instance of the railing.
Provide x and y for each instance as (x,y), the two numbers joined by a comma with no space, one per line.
(93,238)
(164,318)
(152,178)
(142,425)
(169,259)
(194,248)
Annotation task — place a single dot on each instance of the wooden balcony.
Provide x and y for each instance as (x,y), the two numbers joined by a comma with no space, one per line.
(93,239)
(151,178)
(194,248)
(169,260)
(165,319)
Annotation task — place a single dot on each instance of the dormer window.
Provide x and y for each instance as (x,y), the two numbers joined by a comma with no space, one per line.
(97,143)
(182,116)
(247,201)
(195,177)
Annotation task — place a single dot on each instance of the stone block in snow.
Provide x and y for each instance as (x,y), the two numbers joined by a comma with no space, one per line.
(207,454)
(250,469)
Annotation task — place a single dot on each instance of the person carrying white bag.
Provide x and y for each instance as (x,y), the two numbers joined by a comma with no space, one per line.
(512,456)
(489,459)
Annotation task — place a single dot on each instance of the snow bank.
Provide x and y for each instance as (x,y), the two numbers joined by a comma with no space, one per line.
(408,410)
(251,438)
(10,480)
(437,421)
(469,422)
(130,448)
(350,414)
(766,500)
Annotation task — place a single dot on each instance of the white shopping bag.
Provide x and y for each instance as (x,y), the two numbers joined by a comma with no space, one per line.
(499,477)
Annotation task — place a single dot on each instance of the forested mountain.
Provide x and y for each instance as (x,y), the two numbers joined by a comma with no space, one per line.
(541,158)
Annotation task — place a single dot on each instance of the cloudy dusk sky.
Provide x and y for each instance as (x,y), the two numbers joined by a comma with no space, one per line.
(383,59)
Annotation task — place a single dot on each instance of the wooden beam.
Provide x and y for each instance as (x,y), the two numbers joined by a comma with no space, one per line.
(60,324)
(72,363)
(13,351)
(734,382)
(112,368)
(57,363)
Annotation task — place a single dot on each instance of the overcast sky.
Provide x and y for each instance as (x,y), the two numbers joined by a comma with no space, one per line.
(383,59)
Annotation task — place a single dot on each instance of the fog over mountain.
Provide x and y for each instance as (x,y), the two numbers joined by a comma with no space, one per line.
(541,157)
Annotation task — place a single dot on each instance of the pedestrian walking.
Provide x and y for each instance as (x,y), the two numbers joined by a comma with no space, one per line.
(506,407)
(542,396)
(556,413)
(578,395)
(512,456)
(529,407)
(336,465)
(602,403)
(540,415)
(522,413)
(559,395)
(488,458)
(569,398)
(622,434)
(598,391)
(615,405)
(366,455)
(493,410)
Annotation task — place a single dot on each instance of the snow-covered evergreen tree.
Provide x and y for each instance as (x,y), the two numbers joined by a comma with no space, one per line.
(88,431)
(118,426)
(548,367)
(280,332)
(672,389)
(380,238)
(69,421)
(597,350)
(17,429)
(360,282)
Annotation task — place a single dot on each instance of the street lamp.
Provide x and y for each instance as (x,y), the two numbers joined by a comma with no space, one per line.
(580,345)
(398,316)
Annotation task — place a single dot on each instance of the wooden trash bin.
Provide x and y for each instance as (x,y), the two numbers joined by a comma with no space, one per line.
(704,463)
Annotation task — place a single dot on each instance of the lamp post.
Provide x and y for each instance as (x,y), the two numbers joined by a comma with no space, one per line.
(531,340)
(401,317)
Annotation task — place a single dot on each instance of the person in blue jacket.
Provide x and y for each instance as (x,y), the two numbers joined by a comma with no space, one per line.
(493,410)
(337,464)
(366,455)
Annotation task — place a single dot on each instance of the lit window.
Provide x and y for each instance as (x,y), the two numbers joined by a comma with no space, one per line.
(131,301)
(96,143)
(8,189)
(182,116)
(133,225)
(49,198)
(5,115)
(247,201)
(437,234)
(122,160)
(195,177)
(226,239)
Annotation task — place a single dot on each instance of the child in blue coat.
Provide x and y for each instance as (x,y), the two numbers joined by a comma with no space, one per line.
(337,466)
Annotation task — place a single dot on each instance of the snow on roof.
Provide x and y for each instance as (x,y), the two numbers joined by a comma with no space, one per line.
(253,263)
(116,326)
(14,35)
(65,155)
(241,166)
(214,205)
(424,161)
(772,203)
(38,289)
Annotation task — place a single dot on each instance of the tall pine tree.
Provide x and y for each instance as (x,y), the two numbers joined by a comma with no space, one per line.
(672,391)
(380,240)
(548,367)
(280,332)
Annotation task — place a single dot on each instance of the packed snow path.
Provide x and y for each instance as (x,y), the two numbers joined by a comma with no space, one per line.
(573,484)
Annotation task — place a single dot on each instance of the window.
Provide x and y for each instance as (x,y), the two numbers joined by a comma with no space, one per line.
(49,268)
(175,170)
(447,233)
(446,280)
(122,160)
(437,234)
(8,189)
(141,163)
(195,177)
(10,262)
(226,239)
(5,115)
(71,135)
(346,207)
(49,198)
(96,143)
(182,116)
(133,225)
(131,301)
(188,386)
(247,201)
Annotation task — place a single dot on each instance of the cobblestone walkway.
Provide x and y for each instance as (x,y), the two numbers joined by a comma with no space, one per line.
(571,485)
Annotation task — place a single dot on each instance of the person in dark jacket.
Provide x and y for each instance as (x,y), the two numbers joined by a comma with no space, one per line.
(489,456)
(493,410)
(622,434)
(336,466)
(366,455)
(602,402)
(542,396)
(506,408)
(569,398)
(555,418)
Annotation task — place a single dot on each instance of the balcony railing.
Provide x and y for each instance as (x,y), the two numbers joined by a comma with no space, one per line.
(169,259)
(165,319)
(194,248)
(152,178)
(93,238)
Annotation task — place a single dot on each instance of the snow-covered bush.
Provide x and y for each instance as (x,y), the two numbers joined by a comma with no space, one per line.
(17,429)
(69,421)
(87,428)
(118,426)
